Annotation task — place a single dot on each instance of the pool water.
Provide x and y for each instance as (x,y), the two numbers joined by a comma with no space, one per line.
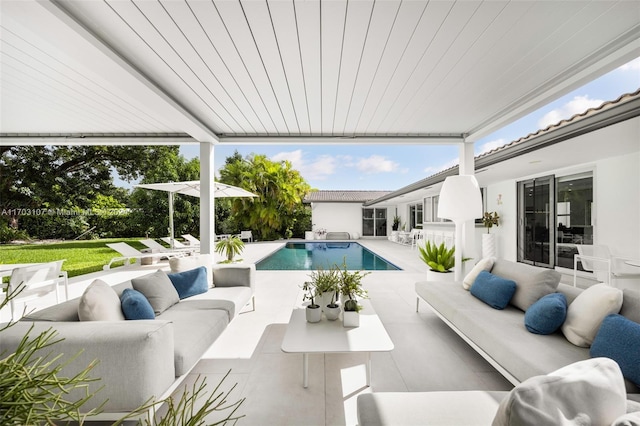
(310,256)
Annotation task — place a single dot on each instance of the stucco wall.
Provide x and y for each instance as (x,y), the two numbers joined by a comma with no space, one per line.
(337,217)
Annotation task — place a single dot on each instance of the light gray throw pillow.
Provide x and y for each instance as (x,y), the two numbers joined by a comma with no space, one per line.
(589,392)
(100,302)
(158,290)
(532,282)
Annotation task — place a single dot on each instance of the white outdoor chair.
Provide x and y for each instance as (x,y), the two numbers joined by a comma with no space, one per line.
(193,241)
(418,238)
(128,253)
(246,235)
(606,268)
(30,282)
(177,244)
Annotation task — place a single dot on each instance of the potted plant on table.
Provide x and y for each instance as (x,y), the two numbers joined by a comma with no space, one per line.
(489,219)
(351,289)
(327,285)
(313,311)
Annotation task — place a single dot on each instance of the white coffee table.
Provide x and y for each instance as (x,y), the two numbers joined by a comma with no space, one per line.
(332,337)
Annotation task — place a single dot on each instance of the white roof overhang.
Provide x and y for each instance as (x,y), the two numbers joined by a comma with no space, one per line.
(316,72)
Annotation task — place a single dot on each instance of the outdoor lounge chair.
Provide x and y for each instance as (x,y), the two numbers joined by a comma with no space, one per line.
(193,241)
(159,248)
(36,281)
(179,245)
(127,253)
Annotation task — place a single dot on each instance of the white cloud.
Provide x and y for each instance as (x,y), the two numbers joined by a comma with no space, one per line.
(431,170)
(577,105)
(491,145)
(376,164)
(631,66)
(319,169)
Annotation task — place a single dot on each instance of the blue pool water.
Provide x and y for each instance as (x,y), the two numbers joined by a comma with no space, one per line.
(313,255)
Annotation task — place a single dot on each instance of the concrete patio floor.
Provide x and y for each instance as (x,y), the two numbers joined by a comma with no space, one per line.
(427,354)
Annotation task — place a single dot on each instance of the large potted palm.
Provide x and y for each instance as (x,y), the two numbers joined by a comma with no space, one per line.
(230,247)
(489,219)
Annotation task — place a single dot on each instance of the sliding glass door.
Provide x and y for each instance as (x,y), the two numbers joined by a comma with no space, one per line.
(536,217)
(374,222)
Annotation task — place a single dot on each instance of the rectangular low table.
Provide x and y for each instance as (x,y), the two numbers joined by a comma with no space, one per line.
(332,337)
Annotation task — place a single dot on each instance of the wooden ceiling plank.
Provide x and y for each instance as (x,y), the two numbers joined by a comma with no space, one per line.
(308,26)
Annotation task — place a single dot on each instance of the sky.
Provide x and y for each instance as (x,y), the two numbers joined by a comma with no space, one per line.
(391,167)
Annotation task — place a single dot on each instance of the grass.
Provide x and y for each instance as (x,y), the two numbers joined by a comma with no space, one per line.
(82,257)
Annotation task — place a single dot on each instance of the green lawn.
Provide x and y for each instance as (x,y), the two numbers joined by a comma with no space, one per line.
(82,257)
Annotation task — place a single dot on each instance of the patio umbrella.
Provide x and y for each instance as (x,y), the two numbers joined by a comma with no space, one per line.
(192,188)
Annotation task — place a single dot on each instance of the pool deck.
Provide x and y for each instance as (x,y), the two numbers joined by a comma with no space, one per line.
(427,354)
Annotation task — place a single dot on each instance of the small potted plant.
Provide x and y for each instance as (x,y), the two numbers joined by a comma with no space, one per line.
(489,219)
(396,223)
(351,289)
(439,259)
(229,247)
(327,285)
(313,311)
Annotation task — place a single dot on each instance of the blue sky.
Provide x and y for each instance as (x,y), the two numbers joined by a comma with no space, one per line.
(386,167)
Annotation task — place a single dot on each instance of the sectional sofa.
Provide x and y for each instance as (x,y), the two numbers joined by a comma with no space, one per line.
(500,336)
(141,359)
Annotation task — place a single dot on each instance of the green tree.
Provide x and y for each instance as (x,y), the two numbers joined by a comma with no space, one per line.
(280,189)
(66,179)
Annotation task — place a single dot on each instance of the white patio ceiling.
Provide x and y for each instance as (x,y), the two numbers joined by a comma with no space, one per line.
(297,71)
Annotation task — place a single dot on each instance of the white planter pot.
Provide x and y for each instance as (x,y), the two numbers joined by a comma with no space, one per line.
(324,300)
(440,276)
(332,314)
(489,245)
(314,314)
(351,319)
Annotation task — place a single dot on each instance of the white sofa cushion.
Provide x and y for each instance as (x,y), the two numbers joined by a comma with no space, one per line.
(100,302)
(483,265)
(589,392)
(181,264)
(588,310)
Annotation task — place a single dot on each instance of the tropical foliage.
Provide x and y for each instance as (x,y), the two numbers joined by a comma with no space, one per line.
(438,258)
(489,219)
(278,210)
(230,247)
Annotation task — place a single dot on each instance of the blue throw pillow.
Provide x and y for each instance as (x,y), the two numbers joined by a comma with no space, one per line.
(619,339)
(191,282)
(493,290)
(547,314)
(135,306)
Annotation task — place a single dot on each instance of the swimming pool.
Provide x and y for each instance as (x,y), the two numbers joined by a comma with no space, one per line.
(295,256)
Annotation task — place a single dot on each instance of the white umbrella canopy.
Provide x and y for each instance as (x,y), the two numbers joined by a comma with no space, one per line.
(192,188)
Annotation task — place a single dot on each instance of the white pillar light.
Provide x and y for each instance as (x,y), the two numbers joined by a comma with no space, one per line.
(460,201)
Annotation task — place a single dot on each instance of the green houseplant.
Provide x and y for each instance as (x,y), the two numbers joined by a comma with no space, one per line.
(489,219)
(396,223)
(313,311)
(438,258)
(351,289)
(327,288)
(230,247)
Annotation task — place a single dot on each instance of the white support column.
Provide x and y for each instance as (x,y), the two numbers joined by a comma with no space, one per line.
(468,235)
(207,202)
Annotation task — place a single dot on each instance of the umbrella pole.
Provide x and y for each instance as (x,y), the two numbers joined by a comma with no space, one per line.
(171,218)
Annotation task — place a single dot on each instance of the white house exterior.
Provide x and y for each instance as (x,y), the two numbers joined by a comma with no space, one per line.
(600,147)
(342,211)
